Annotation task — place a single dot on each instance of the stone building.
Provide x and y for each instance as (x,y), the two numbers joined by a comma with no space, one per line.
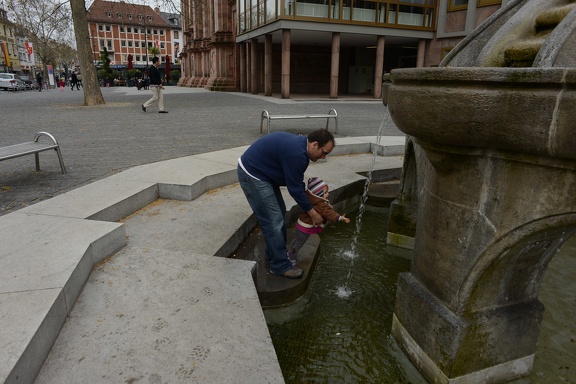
(128,29)
(9,59)
(329,47)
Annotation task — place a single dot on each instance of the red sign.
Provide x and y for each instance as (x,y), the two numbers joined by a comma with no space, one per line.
(28,48)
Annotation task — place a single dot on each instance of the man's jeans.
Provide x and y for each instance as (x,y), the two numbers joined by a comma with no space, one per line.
(268,205)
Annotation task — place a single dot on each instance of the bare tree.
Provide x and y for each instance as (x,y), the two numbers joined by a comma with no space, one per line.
(92,92)
(43,21)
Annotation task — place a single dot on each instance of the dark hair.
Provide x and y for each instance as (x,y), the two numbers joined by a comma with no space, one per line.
(322,137)
(155,59)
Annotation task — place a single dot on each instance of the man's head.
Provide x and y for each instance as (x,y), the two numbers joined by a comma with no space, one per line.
(155,61)
(320,144)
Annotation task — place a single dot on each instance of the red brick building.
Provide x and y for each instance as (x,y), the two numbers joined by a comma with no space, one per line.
(128,29)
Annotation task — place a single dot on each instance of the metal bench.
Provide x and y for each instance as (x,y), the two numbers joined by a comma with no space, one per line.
(332,114)
(33,147)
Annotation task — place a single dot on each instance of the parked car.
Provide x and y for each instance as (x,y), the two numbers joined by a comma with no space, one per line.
(11,81)
(27,82)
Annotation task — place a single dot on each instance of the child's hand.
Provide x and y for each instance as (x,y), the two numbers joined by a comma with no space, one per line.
(344,219)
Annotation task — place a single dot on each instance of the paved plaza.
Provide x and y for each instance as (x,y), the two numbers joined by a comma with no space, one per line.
(100,141)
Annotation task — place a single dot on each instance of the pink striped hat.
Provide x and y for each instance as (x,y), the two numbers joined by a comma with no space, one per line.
(316,186)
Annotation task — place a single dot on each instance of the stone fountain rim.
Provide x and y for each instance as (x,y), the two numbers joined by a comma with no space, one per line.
(533,75)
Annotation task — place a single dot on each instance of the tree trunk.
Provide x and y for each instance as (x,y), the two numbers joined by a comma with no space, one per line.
(92,93)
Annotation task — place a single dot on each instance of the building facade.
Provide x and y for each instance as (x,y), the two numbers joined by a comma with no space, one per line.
(175,20)
(9,59)
(127,31)
(329,47)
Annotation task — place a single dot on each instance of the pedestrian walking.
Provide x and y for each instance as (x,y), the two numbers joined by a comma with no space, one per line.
(156,85)
(39,80)
(74,81)
(275,160)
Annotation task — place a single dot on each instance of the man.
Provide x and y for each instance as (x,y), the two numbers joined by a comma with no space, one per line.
(74,80)
(156,85)
(280,159)
(39,80)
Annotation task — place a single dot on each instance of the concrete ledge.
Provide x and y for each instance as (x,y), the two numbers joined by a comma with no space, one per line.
(49,249)
(46,262)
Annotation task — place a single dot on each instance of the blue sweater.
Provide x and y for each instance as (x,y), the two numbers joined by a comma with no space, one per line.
(280,158)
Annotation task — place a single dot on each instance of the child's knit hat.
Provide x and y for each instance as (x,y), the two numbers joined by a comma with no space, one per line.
(316,186)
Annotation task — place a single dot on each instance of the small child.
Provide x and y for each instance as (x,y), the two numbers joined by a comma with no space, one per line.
(317,193)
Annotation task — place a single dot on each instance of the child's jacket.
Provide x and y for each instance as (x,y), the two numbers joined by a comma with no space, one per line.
(323,207)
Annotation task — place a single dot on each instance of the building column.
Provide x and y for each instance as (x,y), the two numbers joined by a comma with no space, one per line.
(285,82)
(248,67)
(421,52)
(254,65)
(268,65)
(243,67)
(335,65)
(379,67)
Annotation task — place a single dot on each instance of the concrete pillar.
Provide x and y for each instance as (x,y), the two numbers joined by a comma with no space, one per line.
(248,68)
(243,67)
(268,65)
(421,53)
(335,65)
(379,67)
(254,66)
(285,82)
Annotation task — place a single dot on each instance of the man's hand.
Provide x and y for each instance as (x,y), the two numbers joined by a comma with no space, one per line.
(316,217)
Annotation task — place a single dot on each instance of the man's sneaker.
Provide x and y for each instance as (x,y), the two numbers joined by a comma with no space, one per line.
(292,258)
(293,273)
(143,108)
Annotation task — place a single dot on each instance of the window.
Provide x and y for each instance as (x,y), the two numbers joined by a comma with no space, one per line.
(139,17)
(176,35)
(109,44)
(155,31)
(149,18)
(161,32)
(162,46)
(101,43)
(119,15)
(137,57)
(121,29)
(107,28)
(129,29)
(109,14)
(129,43)
(149,31)
(456,5)
(142,30)
(130,16)
(123,43)
(100,28)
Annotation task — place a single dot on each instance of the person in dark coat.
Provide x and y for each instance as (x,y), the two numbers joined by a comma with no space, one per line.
(74,81)
(156,86)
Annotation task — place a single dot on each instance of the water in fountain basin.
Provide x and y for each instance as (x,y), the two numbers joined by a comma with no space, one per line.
(344,291)
(337,334)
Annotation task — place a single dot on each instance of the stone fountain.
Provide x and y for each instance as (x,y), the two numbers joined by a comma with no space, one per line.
(491,163)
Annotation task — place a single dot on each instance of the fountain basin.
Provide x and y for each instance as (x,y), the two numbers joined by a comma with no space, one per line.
(526,110)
